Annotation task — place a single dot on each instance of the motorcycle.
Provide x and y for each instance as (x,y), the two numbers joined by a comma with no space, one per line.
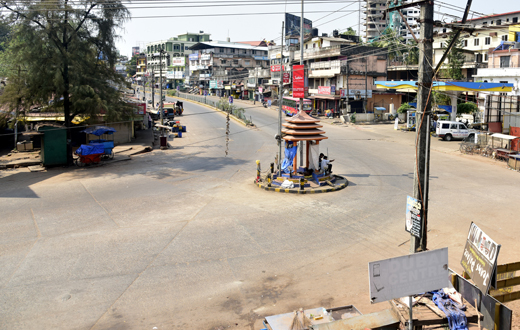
(264,103)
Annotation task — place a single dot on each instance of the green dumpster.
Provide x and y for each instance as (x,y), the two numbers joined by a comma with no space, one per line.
(54,145)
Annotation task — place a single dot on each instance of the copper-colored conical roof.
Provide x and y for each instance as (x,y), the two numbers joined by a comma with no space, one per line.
(302,127)
(302,118)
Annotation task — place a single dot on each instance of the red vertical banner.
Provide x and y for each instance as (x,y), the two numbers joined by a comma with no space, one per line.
(298,81)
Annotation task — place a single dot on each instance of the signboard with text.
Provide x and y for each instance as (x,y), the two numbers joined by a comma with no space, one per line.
(413,223)
(277,68)
(286,77)
(407,275)
(299,81)
(324,90)
(178,61)
(140,109)
(479,259)
(292,26)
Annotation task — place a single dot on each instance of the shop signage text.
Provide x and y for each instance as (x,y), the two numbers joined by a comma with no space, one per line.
(480,257)
(407,275)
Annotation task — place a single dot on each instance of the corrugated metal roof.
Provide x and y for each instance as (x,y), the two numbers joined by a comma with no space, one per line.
(223,44)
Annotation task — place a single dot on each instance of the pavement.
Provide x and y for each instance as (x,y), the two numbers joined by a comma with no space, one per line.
(143,142)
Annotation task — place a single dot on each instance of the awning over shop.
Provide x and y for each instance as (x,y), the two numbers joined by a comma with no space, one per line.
(504,136)
(325,97)
(449,86)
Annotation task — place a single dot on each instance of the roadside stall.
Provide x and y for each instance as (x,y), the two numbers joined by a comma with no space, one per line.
(96,150)
(501,143)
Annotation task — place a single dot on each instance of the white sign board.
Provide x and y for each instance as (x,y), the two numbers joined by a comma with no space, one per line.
(407,275)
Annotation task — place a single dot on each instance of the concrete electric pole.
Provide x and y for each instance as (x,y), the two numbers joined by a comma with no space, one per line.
(422,162)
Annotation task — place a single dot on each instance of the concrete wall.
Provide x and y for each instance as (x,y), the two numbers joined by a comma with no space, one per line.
(123,134)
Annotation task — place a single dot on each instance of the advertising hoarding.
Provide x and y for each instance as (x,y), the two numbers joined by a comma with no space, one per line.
(324,90)
(299,81)
(277,68)
(292,26)
(205,57)
(193,57)
(403,276)
(355,92)
(480,257)
(178,61)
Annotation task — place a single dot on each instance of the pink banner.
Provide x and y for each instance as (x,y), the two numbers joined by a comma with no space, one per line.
(298,81)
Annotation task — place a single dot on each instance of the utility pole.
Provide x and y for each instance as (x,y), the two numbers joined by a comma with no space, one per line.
(422,164)
(280,97)
(348,90)
(365,100)
(301,55)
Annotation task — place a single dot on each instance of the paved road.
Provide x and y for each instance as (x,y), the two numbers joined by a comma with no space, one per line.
(182,239)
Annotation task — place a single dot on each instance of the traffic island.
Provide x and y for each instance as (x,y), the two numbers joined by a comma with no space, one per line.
(334,183)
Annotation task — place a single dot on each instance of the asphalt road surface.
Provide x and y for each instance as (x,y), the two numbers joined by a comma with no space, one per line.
(182,239)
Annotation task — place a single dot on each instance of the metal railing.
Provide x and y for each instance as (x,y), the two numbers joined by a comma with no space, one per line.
(221,104)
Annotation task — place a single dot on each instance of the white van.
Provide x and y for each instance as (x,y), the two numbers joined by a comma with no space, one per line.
(450,130)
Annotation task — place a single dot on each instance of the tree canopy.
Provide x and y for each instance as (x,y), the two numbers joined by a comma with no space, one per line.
(62,56)
(350,32)
(455,58)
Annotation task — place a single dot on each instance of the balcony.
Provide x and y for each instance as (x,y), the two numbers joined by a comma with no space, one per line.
(326,69)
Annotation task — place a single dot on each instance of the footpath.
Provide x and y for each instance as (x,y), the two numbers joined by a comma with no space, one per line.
(144,142)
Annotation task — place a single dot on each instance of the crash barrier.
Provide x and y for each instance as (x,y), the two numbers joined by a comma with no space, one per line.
(221,104)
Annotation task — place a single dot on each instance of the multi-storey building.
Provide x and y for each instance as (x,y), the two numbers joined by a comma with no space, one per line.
(375,23)
(140,70)
(174,69)
(223,67)
(486,33)
(341,74)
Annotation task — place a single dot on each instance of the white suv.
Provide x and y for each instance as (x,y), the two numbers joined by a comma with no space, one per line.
(450,130)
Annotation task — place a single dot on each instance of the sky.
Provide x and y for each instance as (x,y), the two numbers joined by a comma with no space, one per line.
(154,20)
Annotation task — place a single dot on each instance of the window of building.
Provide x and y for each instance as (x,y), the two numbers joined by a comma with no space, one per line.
(504,37)
(410,12)
(465,43)
(499,21)
(515,19)
(485,57)
(442,44)
(476,42)
(221,50)
(235,61)
(487,41)
(491,22)
(484,23)
(504,61)
(307,46)
(247,62)
(232,50)
(314,46)
(415,11)
(186,48)
(443,31)
(373,5)
(507,20)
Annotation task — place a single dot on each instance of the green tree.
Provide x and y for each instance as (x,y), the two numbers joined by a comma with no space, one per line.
(392,42)
(404,108)
(455,58)
(412,55)
(131,66)
(65,52)
(468,108)
(350,32)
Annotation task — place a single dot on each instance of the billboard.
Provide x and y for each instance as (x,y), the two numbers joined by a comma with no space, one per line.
(135,51)
(292,26)
(407,275)
(299,81)
(178,61)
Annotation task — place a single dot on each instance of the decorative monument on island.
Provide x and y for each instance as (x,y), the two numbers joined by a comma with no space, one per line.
(302,131)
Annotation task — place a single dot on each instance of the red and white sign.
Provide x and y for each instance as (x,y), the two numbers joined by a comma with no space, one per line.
(286,77)
(324,90)
(140,109)
(276,68)
(298,81)
(260,89)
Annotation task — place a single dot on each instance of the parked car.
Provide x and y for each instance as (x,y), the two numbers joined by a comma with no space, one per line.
(451,130)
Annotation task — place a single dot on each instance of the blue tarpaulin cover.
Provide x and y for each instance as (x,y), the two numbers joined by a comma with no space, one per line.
(99,130)
(90,149)
(289,156)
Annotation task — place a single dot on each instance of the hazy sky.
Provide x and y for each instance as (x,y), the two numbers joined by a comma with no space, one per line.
(160,23)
